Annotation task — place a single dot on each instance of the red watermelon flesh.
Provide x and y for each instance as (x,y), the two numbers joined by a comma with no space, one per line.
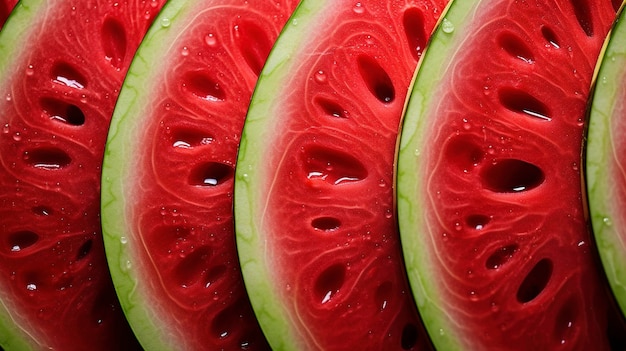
(490,195)
(5,9)
(62,66)
(169,174)
(315,216)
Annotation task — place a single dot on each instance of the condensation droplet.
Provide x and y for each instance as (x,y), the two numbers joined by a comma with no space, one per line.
(607,221)
(320,77)
(123,240)
(30,70)
(447,26)
(210,40)
(165,22)
(358,8)
(184,51)
(17,136)
(5,129)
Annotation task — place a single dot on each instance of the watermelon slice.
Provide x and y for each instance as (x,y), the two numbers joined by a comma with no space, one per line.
(6,6)
(315,218)
(62,65)
(492,221)
(168,174)
(606,183)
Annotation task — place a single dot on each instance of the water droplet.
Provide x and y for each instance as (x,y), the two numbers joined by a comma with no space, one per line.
(184,51)
(607,221)
(358,8)
(417,152)
(165,22)
(388,213)
(294,21)
(5,129)
(123,240)
(8,97)
(17,136)
(30,70)
(210,40)
(495,307)
(320,77)
(447,26)
(31,287)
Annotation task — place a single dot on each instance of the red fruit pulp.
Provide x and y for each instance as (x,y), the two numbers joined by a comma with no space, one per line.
(58,94)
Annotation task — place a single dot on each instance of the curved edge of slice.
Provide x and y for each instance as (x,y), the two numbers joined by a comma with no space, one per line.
(25,12)
(443,42)
(605,128)
(279,331)
(115,170)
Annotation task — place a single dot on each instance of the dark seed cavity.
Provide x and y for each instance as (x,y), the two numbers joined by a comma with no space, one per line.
(521,102)
(329,282)
(326,224)
(501,256)
(566,323)
(192,267)
(550,36)
(225,322)
(477,221)
(516,47)
(331,108)
(65,73)
(409,336)
(189,139)
(62,111)
(254,44)
(583,13)
(511,175)
(203,86)
(383,295)
(210,174)
(214,274)
(47,158)
(21,240)
(42,211)
(84,250)
(414,28)
(114,42)
(332,166)
(376,79)
(535,282)
(463,153)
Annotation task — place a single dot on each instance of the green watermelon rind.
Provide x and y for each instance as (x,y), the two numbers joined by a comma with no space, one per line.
(117,169)
(606,218)
(446,39)
(18,26)
(282,61)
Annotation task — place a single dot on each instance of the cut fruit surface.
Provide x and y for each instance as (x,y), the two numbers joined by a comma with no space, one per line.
(62,65)
(168,174)
(6,6)
(492,221)
(314,212)
(605,161)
